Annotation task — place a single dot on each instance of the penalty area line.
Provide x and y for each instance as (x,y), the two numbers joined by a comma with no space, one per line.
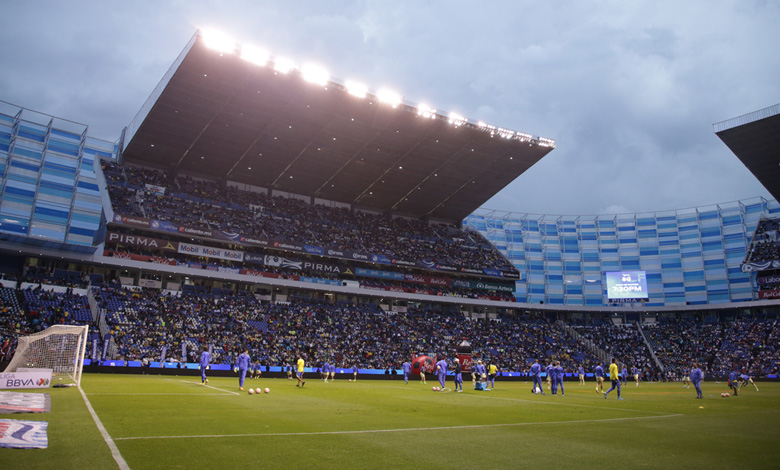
(120,461)
(374,431)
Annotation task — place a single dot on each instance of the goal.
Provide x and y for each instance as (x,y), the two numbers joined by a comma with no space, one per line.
(60,348)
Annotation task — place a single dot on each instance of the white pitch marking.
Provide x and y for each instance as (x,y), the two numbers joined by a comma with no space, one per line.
(156,394)
(370,431)
(213,388)
(120,461)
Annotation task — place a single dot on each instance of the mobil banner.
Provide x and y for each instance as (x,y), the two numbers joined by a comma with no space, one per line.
(211,252)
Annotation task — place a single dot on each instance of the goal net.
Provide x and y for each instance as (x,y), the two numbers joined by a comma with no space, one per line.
(60,348)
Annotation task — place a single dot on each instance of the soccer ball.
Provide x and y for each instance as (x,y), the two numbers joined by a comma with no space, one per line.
(350,380)
(537,390)
(728,394)
(258,391)
(251,391)
(267,390)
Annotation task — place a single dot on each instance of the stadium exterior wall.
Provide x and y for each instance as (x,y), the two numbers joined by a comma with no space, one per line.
(691,256)
(49,192)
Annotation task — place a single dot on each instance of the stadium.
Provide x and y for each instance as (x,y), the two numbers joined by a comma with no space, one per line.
(254,205)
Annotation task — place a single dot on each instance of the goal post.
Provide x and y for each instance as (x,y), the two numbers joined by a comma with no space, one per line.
(60,348)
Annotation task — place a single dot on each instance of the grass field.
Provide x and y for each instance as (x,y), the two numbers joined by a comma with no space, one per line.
(159,422)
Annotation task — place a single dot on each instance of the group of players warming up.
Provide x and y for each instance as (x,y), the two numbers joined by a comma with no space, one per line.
(484,377)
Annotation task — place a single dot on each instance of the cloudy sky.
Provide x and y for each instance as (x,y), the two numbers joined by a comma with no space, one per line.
(629,90)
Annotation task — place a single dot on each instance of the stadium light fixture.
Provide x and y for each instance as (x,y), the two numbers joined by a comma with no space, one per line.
(389,97)
(356,89)
(426,111)
(283,65)
(254,55)
(218,41)
(457,120)
(315,74)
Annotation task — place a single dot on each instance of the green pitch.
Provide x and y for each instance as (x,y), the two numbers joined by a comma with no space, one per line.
(161,422)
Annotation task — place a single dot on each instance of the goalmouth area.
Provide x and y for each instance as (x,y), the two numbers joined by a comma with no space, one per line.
(160,422)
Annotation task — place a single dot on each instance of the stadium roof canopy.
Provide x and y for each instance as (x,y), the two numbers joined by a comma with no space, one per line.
(225,111)
(755,140)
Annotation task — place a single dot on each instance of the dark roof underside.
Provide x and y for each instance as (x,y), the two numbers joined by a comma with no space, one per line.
(223,117)
(757,145)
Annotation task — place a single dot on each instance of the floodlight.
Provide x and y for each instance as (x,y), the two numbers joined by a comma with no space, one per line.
(218,41)
(356,89)
(390,97)
(283,65)
(456,119)
(426,111)
(315,74)
(254,55)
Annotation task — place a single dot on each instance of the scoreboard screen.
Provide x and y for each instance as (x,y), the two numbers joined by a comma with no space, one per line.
(626,285)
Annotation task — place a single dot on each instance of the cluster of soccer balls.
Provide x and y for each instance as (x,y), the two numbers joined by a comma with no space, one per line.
(258,391)
(725,395)
(437,389)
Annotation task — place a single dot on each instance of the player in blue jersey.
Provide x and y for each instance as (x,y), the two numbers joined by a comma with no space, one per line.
(614,377)
(734,382)
(332,372)
(696,377)
(325,371)
(536,371)
(483,373)
(635,373)
(241,366)
(441,370)
(624,376)
(559,375)
(458,376)
(354,372)
(746,379)
(407,370)
(581,373)
(205,360)
(599,373)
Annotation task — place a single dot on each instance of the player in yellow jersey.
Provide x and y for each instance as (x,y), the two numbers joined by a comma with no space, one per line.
(301,366)
(615,378)
(492,370)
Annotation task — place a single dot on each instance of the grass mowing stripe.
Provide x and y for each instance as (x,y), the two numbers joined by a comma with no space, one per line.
(120,461)
(369,431)
(535,402)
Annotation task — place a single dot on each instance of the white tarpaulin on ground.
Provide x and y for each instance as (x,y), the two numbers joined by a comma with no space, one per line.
(19,434)
(15,402)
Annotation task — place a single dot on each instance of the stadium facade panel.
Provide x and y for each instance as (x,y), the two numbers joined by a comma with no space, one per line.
(691,256)
(50,191)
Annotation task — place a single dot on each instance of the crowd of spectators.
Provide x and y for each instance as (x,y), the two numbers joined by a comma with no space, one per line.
(748,346)
(678,344)
(27,311)
(146,322)
(211,205)
(765,245)
(623,341)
